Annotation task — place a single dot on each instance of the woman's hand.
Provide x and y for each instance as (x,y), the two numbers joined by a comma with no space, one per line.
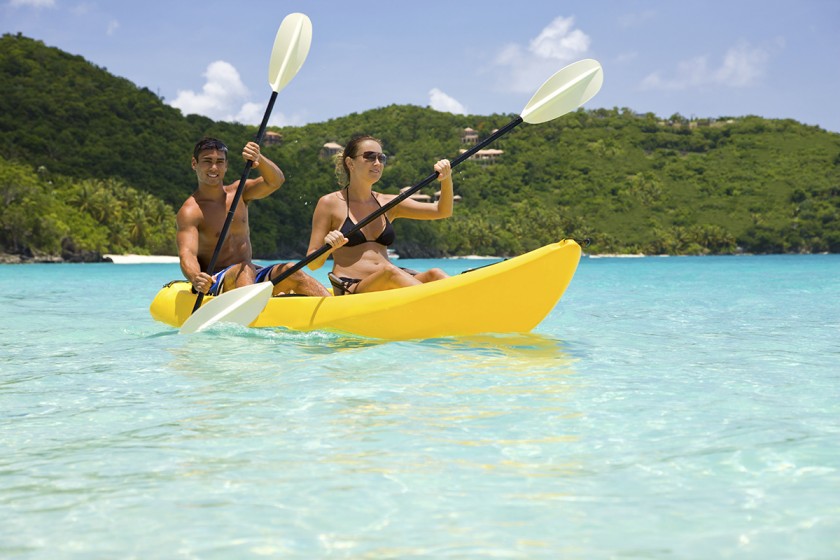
(335,239)
(444,169)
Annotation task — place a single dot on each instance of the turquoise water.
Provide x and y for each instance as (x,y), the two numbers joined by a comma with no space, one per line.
(667,408)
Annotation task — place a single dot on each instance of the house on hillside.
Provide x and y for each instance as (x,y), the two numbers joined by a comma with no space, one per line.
(469,137)
(272,138)
(330,149)
(486,157)
(417,196)
(426,198)
(455,198)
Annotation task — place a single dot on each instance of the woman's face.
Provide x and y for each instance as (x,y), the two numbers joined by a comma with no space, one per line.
(367,163)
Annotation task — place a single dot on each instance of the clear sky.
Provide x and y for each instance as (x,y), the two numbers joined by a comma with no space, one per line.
(772,58)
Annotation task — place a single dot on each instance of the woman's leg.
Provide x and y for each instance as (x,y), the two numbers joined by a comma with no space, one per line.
(431,275)
(388,277)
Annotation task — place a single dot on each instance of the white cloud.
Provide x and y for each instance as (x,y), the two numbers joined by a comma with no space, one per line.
(250,113)
(253,113)
(558,44)
(225,98)
(742,66)
(510,54)
(221,97)
(560,41)
(33,3)
(439,101)
(113,25)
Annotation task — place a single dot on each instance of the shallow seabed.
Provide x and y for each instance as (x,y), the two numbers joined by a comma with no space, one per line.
(667,408)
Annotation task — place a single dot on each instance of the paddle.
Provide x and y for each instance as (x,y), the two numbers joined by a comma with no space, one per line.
(563,92)
(291,45)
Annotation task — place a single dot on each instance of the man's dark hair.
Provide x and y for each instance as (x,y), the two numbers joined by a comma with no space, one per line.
(208,143)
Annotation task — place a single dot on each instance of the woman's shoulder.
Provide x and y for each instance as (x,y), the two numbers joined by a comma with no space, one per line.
(384,197)
(333,198)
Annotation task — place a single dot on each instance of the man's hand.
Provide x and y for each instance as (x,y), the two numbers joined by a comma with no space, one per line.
(202,282)
(251,151)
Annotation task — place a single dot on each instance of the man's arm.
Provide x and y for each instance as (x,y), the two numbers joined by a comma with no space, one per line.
(187,239)
(270,179)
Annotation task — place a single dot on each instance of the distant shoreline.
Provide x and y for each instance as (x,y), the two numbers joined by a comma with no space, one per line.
(142,259)
(6,258)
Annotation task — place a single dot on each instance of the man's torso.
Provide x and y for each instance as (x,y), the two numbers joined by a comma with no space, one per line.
(237,244)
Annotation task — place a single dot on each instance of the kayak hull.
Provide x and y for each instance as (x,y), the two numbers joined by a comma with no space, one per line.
(513,295)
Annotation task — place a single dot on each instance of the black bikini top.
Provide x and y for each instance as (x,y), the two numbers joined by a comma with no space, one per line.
(386,238)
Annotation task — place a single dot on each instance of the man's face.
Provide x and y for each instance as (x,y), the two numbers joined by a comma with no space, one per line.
(210,167)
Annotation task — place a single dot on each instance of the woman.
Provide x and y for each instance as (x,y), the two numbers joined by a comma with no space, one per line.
(360,262)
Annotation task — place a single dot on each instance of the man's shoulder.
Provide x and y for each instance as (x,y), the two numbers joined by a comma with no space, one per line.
(190,202)
(189,208)
(230,190)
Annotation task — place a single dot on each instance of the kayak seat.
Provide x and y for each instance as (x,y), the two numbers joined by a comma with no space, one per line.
(342,285)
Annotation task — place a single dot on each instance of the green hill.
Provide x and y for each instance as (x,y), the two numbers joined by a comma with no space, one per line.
(93,162)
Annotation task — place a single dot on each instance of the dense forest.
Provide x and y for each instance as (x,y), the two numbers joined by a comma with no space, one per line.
(92,163)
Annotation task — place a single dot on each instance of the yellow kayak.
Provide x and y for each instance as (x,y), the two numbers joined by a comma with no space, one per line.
(510,296)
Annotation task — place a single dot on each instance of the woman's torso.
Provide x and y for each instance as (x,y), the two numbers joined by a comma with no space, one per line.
(367,250)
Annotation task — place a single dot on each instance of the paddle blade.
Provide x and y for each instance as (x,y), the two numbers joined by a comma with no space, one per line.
(565,91)
(291,45)
(240,306)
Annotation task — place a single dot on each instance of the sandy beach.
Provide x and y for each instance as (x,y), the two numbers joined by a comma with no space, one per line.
(142,259)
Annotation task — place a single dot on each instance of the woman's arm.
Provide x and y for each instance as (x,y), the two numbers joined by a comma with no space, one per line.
(416,210)
(322,232)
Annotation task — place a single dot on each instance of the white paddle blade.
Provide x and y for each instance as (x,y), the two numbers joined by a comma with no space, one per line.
(240,306)
(564,92)
(291,45)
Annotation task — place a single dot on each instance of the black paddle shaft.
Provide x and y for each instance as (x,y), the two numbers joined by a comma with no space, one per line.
(405,194)
(239,189)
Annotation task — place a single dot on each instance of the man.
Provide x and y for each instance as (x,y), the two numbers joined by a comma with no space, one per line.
(202,216)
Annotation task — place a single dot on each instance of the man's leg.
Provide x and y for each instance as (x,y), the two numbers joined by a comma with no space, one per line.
(238,275)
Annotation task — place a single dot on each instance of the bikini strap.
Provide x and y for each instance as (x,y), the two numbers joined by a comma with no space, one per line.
(347,198)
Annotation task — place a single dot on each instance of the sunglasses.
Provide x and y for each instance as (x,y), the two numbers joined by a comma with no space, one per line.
(209,144)
(373,156)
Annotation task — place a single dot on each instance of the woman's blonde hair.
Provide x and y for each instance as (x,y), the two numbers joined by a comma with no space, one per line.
(342,173)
